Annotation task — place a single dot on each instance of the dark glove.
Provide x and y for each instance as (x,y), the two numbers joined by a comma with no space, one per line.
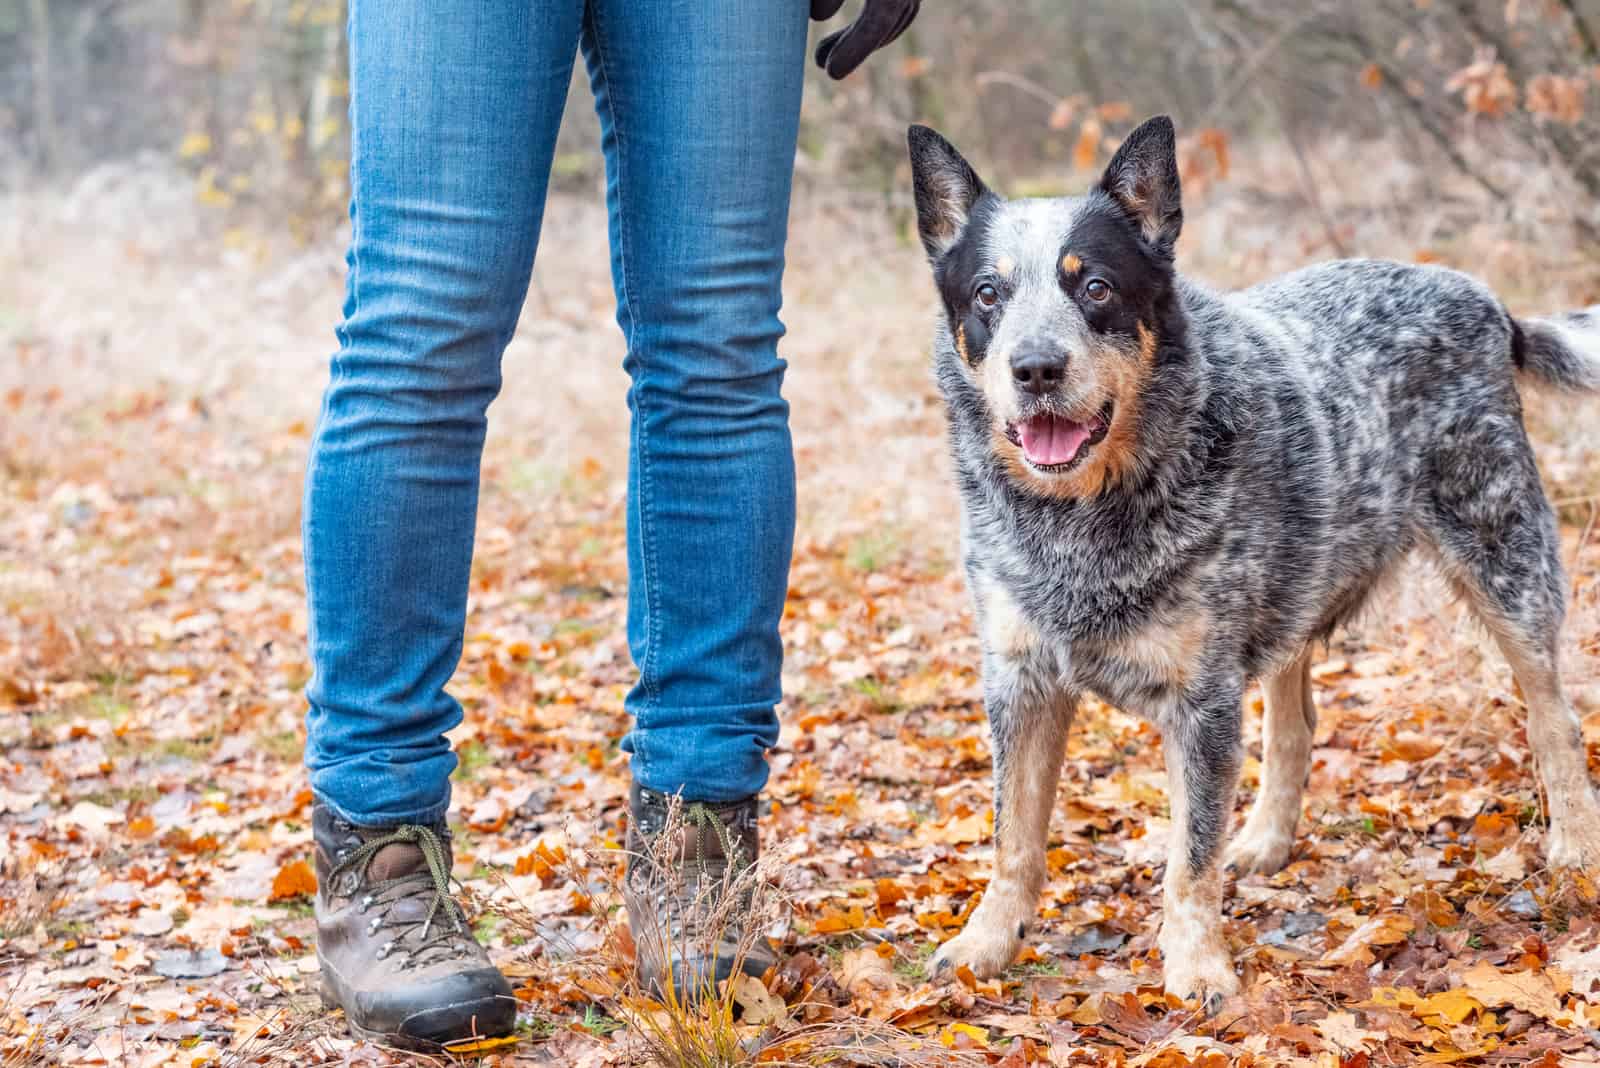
(879,23)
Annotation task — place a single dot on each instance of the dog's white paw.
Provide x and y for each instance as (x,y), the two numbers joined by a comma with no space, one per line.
(1195,958)
(985,948)
(1204,974)
(1574,842)
(1259,847)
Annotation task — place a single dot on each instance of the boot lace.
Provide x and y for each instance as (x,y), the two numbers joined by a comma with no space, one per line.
(703,818)
(419,940)
(691,901)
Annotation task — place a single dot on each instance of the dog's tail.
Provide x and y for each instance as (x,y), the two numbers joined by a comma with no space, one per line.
(1562,351)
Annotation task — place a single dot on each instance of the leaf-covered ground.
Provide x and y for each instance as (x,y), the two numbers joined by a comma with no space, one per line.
(153,815)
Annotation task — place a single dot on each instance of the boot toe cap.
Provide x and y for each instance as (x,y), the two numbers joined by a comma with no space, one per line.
(475,1004)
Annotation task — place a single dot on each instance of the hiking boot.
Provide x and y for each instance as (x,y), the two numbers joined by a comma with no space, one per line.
(395,949)
(689,902)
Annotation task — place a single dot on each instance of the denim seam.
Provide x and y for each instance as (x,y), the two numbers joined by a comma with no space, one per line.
(646,528)
(354,281)
(335,370)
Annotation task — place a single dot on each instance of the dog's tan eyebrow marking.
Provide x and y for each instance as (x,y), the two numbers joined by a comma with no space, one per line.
(1005,265)
(1071,264)
(1147,343)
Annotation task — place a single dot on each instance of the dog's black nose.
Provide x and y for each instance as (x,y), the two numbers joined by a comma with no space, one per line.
(1038,370)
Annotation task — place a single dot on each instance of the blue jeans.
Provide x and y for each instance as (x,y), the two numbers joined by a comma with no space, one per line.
(454,112)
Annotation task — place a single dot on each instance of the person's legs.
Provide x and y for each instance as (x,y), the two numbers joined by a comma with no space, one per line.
(699,106)
(454,112)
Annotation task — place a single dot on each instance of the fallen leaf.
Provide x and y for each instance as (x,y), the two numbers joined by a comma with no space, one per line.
(16,692)
(964,1036)
(1097,938)
(1582,966)
(17,803)
(1410,747)
(130,957)
(191,964)
(1507,865)
(835,921)
(1450,1006)
(865,974)
(1343,1031)
(961,830)
(1453,1005)
(92,817)
(1385,930)
(293,880)
(761,1008)
(152,922)
(481,1045)
(1529,991)
(1125,1013)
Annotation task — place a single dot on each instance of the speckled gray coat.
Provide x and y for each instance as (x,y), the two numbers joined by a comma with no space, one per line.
(1272,454)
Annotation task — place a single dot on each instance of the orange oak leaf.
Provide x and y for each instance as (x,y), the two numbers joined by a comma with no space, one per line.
(293,880)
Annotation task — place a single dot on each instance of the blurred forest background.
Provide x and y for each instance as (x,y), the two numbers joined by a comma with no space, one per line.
(248,97)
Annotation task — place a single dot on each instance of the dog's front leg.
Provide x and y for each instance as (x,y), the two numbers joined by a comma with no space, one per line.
(1288,731)
(1029,715)
(1203,752)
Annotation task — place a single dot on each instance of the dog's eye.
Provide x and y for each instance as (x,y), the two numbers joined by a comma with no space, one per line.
(987,295)
(1098,290)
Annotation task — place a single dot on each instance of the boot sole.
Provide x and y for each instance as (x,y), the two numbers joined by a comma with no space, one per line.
(390,1039)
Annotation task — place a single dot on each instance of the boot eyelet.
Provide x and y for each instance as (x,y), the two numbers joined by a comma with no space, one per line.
(384,950)
(372,928)
(366,903)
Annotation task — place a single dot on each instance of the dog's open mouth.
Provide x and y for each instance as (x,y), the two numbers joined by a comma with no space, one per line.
(1052,442)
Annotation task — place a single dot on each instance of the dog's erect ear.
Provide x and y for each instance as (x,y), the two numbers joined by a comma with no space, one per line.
(945,186)
(1143,178)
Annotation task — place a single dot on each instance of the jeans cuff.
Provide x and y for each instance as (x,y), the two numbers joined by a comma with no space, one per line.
(431,815)
(707,754)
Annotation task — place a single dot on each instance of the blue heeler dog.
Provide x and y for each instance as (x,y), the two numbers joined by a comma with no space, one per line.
(1170,492)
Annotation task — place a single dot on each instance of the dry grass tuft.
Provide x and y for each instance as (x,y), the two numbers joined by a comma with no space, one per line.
(25,903)
(300,1033)
(285,1037)
(43,1037)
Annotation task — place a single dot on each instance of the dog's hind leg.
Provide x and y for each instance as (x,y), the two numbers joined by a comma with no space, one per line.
(1554,733)
(1203,756)
(1556,737)
(1287,728)
(1029,716)
(1496,538)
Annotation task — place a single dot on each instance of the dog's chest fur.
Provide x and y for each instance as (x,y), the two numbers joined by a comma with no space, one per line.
(1286,438)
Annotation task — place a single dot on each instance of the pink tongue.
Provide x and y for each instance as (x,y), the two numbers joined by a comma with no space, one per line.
(1048,440)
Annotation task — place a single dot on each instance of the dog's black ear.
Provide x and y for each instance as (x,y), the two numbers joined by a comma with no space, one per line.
(1143,178)
(945,186)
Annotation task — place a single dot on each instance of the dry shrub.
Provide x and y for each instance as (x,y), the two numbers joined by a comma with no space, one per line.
(728,1025)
